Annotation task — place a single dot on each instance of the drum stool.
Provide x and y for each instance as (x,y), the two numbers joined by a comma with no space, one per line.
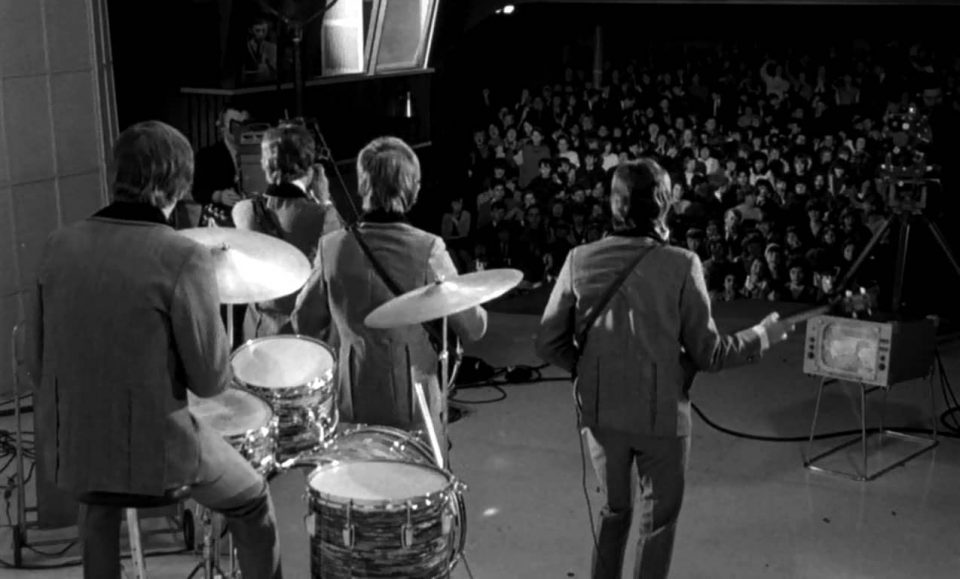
(130,503)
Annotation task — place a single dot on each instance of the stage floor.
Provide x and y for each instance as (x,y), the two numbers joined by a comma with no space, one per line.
(751,509)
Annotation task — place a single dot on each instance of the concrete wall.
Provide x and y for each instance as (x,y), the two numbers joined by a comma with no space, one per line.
(57,122)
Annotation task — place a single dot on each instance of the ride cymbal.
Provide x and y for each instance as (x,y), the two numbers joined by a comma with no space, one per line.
(444,298)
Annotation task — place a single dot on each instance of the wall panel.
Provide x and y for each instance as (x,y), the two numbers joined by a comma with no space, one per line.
(56,120)
(26,112)
(74,122)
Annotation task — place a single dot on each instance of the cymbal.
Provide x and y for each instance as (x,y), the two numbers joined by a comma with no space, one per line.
(252,266)
(444,298)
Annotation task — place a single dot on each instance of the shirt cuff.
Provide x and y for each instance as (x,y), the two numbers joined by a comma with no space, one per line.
(764,338)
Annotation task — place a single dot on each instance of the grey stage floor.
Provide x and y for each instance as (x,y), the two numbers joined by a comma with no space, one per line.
(751,510)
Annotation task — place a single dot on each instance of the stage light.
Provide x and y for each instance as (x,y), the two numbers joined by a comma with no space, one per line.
(508,9)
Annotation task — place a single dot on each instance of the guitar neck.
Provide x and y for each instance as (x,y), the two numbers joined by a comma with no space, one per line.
(806,315)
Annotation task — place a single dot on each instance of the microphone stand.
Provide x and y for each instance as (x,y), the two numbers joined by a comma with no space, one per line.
(297,25)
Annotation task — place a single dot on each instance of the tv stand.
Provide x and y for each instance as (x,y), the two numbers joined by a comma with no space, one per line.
(879,436)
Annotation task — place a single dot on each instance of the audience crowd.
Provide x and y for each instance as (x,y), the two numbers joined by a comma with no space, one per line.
(775,164)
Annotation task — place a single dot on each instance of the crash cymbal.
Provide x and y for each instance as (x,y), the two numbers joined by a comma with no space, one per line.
(251,266)
(444,298)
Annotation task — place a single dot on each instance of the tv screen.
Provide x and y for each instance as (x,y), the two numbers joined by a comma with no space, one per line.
(850,349)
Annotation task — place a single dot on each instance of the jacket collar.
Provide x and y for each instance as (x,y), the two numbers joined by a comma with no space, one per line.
(381,216)
(285,191)
(126,211)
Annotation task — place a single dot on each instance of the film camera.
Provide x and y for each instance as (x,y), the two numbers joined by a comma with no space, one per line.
(906,177)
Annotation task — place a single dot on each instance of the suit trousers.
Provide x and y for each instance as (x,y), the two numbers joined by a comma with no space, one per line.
(227,484)
(661,467)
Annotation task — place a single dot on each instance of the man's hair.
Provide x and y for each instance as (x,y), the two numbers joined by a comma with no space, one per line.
(288,153)
(388,174)
(639,194)
(152,164)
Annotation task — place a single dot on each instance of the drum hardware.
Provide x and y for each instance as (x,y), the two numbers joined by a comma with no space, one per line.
(440,300)
(407,529)
(349,531)
(210,551)
(385,518)
(295,375)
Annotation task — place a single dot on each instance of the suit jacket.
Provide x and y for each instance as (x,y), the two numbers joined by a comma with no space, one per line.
(126,322)
(215,170)
(634,373)
(300,222)
(372,365)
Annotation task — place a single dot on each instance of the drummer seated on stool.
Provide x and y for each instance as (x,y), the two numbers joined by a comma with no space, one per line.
(295,207)
(125,323)
(373,372)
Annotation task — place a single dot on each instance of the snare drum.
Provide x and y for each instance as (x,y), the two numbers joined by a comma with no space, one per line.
(373,518)
(245,421)
(295,374)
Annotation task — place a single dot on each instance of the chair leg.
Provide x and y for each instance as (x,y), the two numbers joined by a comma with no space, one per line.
(136,546)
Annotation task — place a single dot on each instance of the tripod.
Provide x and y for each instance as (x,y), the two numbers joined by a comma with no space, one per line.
(906,222)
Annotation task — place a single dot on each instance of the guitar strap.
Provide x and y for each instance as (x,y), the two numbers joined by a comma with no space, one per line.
(601,306)
(265,219)
(436,339)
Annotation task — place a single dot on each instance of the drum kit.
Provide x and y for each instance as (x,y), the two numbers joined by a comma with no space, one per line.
(379,501)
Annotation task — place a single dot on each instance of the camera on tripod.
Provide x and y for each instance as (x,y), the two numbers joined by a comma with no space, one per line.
(906,178)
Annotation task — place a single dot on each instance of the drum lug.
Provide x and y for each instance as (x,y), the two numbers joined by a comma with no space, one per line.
(310,524)
(407,536)
(349,531)
(349,536)
(406,530)
(446,523)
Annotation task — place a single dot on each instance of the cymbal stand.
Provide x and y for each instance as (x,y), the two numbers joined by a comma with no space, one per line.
(209,559)
(231,335)
(444,388)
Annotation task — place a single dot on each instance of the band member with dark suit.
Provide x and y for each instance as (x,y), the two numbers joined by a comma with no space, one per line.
(218,184)
(634,371)
(295,207)
(373,369)
(124,325)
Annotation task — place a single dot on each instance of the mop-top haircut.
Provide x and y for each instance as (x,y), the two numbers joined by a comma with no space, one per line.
(152,164)
(388,174)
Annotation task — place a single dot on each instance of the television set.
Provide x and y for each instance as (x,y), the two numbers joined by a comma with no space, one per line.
(870,352)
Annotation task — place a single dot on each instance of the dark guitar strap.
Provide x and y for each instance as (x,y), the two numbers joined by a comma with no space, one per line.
(432,331)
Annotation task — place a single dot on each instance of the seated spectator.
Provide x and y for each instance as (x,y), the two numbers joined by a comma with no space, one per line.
(799,287)
(749,212)
(590,174)
(695,241)
(547,184)
(757,285)
(730,291)
(485,202)
(455,229)
(564,152)
(578,229)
